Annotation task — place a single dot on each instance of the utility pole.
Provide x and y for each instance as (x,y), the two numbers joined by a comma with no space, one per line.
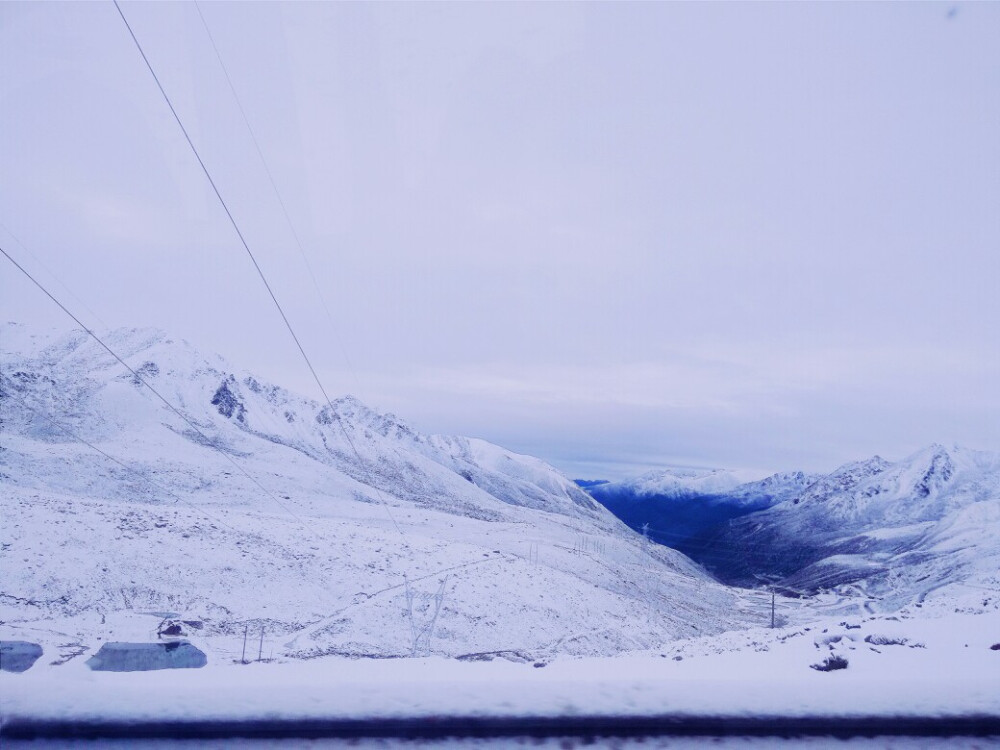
(769,581)
(261,649)
(243,656)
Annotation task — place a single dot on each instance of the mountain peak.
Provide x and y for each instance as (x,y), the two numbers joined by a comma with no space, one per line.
(864,468)
(935,451)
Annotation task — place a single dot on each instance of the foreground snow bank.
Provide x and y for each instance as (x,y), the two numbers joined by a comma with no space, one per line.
(935,666)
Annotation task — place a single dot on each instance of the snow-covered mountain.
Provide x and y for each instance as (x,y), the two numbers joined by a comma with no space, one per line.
(256,512)
(678,481)
(94,406)
(771,490)
(905,528)
(674,505)
(898,530)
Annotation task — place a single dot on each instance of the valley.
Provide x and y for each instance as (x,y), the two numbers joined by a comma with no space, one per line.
(247,527)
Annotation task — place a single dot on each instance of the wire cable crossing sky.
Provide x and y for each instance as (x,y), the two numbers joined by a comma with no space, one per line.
(143,381)
(614,237)
(260,271)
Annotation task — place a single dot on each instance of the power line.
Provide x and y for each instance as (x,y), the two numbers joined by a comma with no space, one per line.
(140,379)
(274,187)
(260,271)
(131,470)
(53,275)
(177,497)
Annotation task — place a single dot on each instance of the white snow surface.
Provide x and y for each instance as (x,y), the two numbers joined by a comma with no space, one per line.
(333,555)
(925,486)
(776,488)
(912,528)
(937,665)
(502,586)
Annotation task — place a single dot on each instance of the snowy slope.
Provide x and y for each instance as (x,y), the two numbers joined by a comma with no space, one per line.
(928,522)
(675,507)
(429,544)
(899,531)
(897,666)
(773,489)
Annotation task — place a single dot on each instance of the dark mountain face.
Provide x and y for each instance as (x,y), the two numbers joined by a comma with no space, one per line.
(694,522)
(872,521)
(671,520)
(739,550)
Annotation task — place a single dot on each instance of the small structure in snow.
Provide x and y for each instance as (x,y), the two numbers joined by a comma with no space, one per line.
(175,628)
(142,657)
(18,656)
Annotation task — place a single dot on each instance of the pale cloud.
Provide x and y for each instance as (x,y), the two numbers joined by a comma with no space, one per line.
(607,234)
(739,380)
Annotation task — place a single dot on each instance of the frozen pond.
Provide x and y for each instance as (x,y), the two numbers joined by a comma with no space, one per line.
(143,657)
(18,656)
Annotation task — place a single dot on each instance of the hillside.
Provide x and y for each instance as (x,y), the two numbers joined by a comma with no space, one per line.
(901,529)
(894,532)
(675,506)
(433,544)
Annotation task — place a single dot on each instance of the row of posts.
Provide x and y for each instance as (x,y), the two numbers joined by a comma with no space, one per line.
(260,649)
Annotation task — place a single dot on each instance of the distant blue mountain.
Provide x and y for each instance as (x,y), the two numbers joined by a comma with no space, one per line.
(687,510)
(901,530)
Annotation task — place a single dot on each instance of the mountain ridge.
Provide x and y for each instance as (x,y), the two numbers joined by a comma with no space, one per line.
(333,555)
(888,525)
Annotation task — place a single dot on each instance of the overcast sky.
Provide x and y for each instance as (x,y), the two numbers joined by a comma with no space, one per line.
(615,236)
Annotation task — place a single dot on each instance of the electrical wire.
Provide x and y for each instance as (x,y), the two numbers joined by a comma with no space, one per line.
(274,188)
(51,273)
(12,393)
(166,490)
(140,379)
(260,272)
